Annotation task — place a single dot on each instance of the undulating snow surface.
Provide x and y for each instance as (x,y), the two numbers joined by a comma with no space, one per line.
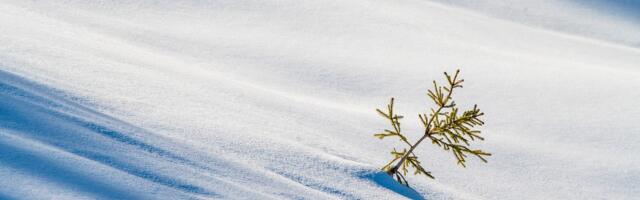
(241,99)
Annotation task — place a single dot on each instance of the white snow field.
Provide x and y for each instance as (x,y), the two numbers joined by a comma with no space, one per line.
(242,99)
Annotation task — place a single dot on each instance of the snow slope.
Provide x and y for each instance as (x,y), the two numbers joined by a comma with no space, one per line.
(610,20)
(274,100)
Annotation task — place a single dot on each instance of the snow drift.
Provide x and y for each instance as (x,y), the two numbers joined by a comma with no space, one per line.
(274,99)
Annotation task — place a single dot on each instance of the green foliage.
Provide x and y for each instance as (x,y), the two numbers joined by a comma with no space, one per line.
(445,126)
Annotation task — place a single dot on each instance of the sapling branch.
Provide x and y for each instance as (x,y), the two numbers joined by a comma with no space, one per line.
(444,126)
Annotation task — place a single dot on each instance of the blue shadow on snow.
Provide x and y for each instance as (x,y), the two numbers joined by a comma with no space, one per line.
(33,114)
(381,178)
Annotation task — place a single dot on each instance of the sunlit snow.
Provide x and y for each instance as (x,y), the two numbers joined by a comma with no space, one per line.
(243,99)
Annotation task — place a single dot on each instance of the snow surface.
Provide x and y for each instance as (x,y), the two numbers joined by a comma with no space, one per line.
(241,99)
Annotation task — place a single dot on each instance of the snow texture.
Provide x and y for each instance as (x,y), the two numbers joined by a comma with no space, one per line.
(243,99)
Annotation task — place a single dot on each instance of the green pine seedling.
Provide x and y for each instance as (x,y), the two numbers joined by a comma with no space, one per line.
(445,126)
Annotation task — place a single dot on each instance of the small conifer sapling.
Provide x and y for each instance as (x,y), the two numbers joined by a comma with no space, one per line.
(445,126)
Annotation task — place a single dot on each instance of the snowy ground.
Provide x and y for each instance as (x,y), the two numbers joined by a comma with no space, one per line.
(241,99)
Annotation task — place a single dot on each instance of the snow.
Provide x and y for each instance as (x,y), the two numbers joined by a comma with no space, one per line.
(275,99)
